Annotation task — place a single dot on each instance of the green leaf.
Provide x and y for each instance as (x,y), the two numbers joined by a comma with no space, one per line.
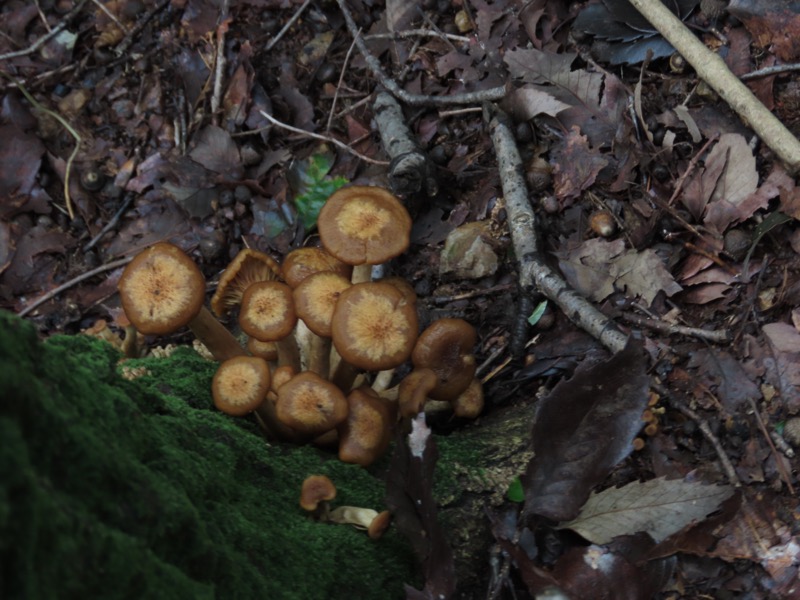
(312,187)
(537,313)
(515,492)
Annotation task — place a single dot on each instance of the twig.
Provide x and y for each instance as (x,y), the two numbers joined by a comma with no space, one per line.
(719,336)
(713,70)
(219,61)
(472,294)
(727,467)
(490,95)
(286,27)
(74,281)
(458,112)
(689,168)
(767,71)
(410,170)
(412,33)
(534,272)
(323,138)
(111,223)
(46,38)
(65,125)
(111,16)
(787,478)
(123,46)
(339,83)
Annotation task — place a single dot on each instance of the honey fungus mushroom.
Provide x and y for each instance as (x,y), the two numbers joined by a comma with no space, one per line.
(162,290)
(267,313)
(364,225)
(249,267)
(315,494)
(240,385)
(374,326)
(302,262)
(364,436)
(446,348)
(311,405)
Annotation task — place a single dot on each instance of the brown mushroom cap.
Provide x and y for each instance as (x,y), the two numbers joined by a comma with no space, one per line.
(311,405)
(266,350)
(316,489)
(364,436)
(249,266)
(267,312)
(281,375)
(374,326)
(469,403)
(446,347)
(379,525)
(403,285)
(315,299)
(302,262)
(240,385)
(364,225)
(161,289)
(413,391)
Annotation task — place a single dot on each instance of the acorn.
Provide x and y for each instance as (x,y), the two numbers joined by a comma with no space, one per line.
(602,223)
(537,175)
(92,179)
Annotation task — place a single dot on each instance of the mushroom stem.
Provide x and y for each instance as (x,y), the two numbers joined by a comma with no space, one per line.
(289,353)
(215,336)
(344,375)
(319,355)
(265,414)
(361,273)
(382,380)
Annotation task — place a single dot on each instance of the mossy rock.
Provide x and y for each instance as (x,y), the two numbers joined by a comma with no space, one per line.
(112,488)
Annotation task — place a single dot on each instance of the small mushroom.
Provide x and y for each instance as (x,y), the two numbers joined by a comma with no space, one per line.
(315,299)
(162,290)
(364,436)
(413,391)
(311,405)
(240,385)
(315,494)
(446,348)
(302,262)
(267,313)
(374,326)
(469,403)
(373,522)
(364,225)
(250,266)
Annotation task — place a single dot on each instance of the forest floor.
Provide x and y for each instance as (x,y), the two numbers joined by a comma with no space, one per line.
(221,125)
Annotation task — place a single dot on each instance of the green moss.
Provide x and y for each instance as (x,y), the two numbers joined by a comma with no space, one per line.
(113,488)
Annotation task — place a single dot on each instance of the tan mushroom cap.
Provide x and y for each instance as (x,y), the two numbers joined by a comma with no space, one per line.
(302,262)
(413,391)
(374,326)
(266,350)
(379,525)
(364,436)
(364,225)
(316,489)
(316,297)
(267,312)
(240,385)
(311,405)
(446,347)
(249,267)
(161,290)
(469,403)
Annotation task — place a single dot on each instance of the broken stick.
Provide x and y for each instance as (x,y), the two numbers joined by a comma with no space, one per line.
(410,170)
(715,73)
(534,272)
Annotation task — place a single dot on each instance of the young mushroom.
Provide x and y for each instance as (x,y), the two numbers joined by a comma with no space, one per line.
(364,436)
(446,348)
(373,522)
(374,328)
(162,290)
(240,385)
(310,405)
(302,262)
(363,226)
(315,299)
(315,494)
(249,267)
(267,313)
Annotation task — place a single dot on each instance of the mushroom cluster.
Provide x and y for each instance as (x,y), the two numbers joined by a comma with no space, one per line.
(317,328)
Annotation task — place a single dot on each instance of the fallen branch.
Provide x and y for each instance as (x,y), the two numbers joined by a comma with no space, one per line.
(534,272)
(712,69)
(410,170)
(490,95)
(717,336)
(219,61)
(46,38)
